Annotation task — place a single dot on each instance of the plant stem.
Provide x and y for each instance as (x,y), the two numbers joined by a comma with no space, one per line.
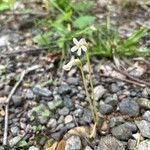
(91,84)
(87,93)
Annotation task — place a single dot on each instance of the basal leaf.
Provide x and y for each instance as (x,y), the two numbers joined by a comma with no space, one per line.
(84,21)
(22,143)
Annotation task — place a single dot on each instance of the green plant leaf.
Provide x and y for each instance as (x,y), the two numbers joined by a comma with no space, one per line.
(84,21)
(60,28)
(42,39)
(46,113)
(22,143)
(5,5)
(64,17)
(134,38)
(82,6)
(37,109)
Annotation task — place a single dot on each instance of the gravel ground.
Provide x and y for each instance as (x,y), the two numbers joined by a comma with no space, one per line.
(52,103)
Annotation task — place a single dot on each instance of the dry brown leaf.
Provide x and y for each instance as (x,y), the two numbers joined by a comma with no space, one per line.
(93,132)
(52,57)
(61,145)
(80,131)
(108,71)
(52,147)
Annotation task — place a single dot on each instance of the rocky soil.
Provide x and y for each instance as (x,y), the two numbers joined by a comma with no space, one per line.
(50,107)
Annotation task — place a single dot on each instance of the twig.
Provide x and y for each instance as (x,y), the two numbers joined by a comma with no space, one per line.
(10,96)
(131,77)
(28,51)
(125,80)
(42,14)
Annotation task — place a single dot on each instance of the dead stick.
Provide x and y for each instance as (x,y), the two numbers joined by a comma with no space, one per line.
(10,96)
(36,50)
(125,80)
(131,77)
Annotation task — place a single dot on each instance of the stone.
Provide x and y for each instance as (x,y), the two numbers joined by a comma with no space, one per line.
(1,85)
(40,91)
(105,109)
(29,94)
(4,40)
(33,148)
(42,141)
(22,125)
(53,105)
(110,143)
(143,103)
(11,66)
(112,100)
(146,92)
(78,112)
(144,145)
(17,100)
(64,111)
(43,119)
(129,107)
(68,103)
(72,81)
(68,119)
(62,130)
(114,88)
(14,130)
(81,96)
(99,91)
(64,89)
(86,117)
(121,132)
(132,126)
(60,119)
(146,115)
(131,144)
(144,127)
(87,148)
(52,123)
(2,148)
(74,91)
(73,143)
(115,121)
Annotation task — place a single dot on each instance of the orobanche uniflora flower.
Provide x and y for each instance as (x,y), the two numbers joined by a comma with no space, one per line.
(72,63)
(79,46)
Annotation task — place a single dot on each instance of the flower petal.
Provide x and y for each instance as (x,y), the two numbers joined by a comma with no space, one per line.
(84,48)
(75,41)
(82,41)
(68,66)
(79,52)
(73,49)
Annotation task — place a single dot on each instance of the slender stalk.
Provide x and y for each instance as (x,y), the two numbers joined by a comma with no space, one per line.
(87,93)
(91,84)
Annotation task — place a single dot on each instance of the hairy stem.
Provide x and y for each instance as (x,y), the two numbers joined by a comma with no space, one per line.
(87,93)
(91,84)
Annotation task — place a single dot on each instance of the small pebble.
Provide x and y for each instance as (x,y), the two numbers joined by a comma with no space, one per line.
(73,143)
(64,111)
(68,119)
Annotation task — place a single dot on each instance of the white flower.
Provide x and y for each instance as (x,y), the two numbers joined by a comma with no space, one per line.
(79,46)
(72,63)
